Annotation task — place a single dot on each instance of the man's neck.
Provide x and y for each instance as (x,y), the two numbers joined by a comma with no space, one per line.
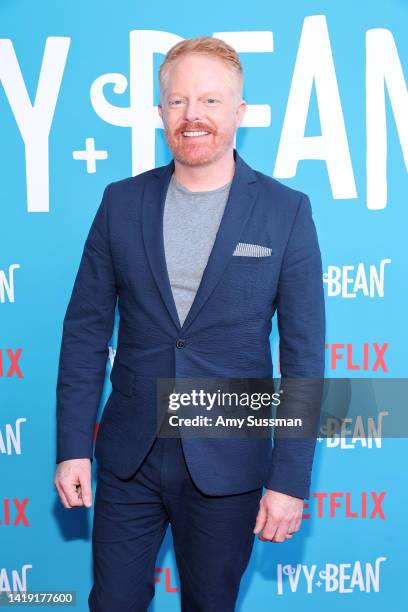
(206,177)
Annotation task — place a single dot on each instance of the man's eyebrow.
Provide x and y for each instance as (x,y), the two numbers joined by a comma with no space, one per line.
(214,93)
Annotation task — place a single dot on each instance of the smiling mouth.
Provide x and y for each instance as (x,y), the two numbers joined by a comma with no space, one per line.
(195,133)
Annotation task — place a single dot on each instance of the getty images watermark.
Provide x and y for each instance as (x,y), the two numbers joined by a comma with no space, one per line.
(208,401)
(236,407)
(222,398)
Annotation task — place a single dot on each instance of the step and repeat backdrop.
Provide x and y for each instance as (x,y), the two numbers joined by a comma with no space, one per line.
(326,87)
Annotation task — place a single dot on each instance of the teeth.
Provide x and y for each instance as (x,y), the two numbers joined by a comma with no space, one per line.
(195,133)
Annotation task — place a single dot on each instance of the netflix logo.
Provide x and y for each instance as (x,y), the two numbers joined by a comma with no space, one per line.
(12,512)
(370,356)
(163,575)
(9,365)
(364,505)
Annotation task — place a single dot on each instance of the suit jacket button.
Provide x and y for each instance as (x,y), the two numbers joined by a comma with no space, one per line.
(180,343)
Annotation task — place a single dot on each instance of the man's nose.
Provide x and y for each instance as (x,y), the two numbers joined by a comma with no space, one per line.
(193,111)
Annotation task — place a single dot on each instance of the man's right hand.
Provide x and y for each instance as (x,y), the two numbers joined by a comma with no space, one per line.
(73,482)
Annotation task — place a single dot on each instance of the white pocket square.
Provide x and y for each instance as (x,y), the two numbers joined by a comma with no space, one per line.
(246,249)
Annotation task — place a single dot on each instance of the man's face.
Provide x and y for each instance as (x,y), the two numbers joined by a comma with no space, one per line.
(200,94)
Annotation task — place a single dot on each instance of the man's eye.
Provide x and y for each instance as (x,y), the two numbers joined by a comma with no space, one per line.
(175,102)
(211,100)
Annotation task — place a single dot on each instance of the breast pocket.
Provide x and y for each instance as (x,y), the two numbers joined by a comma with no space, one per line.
(253,280)
(244,278)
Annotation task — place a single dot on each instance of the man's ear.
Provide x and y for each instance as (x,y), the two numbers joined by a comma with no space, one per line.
(241,112)
(160,110)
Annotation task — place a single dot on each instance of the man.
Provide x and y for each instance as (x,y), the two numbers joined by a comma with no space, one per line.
(201,253)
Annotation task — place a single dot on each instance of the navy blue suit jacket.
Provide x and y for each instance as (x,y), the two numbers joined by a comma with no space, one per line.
(226,332)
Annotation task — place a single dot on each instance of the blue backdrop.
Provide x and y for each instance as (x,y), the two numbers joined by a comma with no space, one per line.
(328,114)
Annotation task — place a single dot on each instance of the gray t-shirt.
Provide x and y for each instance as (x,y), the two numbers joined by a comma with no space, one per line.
(190,224)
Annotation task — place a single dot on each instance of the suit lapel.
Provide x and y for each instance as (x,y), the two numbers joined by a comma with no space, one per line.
(152,227)
(238,208)
(239,205)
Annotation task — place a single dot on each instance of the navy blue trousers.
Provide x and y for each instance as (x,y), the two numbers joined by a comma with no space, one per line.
(212,535)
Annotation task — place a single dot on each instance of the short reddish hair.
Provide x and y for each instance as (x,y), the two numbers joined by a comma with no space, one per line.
(206,45)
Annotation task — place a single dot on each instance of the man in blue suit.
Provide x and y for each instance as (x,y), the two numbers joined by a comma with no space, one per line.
(199,253)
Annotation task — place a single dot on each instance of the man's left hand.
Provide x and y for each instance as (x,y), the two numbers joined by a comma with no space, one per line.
(279,516)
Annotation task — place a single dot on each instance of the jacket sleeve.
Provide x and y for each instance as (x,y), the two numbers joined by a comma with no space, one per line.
(301,324)
(87,328)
